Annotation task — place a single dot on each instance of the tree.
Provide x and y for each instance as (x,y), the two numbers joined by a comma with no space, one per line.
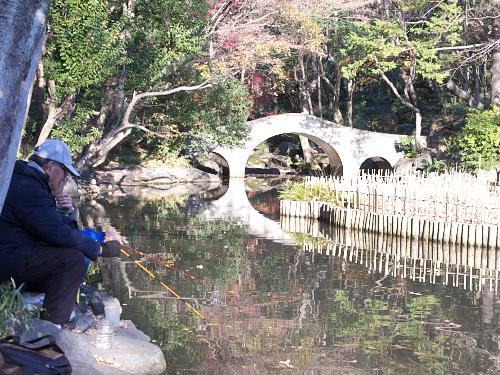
(142,57)
(406,47)
(22,26)
(477,55)
(208,113)
(109,69)
(269,44)
(84,47)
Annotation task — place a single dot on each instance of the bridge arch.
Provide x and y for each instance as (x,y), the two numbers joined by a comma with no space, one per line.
(221,161)
(343,144)
(376,164)
(332,154)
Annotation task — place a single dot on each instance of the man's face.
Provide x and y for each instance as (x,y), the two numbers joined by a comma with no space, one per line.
(57,177)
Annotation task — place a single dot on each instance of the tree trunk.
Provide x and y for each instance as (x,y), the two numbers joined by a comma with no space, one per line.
(334,93)
(418,129)
(306,108)
(477,83)
(108,121)
(306,149)
(22,30)
(351,86)
(305,95)
(495,66)
(55,113)
(336,45)
(37,110)
(412,98)
(337,115)
(409,101)
(117,108)
(97,153)
(465,94)
(330,86)
(320,101)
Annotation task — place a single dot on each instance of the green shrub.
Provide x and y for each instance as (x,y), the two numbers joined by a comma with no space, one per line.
(300,191)
(408,147)
(477,145)
(300,165)
(438,166)
(14,314)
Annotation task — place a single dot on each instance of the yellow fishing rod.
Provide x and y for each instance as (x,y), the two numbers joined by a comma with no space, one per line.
(170,290)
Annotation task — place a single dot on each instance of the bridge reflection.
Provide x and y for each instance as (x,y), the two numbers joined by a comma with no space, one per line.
(235,204)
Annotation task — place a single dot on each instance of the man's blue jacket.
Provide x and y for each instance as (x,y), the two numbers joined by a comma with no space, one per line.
(29,219)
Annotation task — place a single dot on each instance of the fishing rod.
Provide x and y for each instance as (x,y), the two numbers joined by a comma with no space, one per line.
(170,290)
(163,264)
(99,237)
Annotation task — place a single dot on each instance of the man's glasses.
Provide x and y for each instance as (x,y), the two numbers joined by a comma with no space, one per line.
(64,169)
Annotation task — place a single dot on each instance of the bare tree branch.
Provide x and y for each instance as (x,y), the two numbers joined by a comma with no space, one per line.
(137,97)
(145,130)
(405,102)
(470,46)
(464,94)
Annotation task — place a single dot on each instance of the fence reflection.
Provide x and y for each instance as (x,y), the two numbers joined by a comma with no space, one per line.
(468,267)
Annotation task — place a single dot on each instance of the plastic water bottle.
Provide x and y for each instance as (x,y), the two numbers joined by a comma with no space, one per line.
(104,335)
(112,311)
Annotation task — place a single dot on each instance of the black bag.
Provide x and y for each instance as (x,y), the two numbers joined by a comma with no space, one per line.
(38,356)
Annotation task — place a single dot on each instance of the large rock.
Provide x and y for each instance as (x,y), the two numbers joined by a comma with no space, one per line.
(410,165)
(131,351)
(152,182)
(154,176)
(141,192)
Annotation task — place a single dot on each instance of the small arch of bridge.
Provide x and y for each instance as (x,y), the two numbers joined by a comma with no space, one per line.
(345,146)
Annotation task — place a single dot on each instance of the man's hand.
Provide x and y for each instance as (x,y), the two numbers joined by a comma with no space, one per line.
(65,202)
(110,249)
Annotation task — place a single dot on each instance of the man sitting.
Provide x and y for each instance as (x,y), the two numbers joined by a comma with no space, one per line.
(40,244)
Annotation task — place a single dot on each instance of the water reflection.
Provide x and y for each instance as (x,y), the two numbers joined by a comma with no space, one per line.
(277,302)
(467,267)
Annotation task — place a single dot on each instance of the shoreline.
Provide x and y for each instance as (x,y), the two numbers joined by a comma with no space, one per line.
(131,351)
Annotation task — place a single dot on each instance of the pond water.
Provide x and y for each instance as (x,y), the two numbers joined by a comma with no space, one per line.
(296,297)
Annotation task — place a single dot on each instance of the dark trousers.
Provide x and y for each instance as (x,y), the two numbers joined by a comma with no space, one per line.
(57,272)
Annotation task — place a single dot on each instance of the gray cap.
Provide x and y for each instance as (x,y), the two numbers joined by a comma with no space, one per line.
(56,150)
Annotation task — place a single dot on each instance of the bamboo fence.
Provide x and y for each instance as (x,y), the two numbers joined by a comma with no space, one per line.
(455,197)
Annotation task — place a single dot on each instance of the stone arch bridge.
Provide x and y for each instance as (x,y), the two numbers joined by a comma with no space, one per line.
(344,146)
